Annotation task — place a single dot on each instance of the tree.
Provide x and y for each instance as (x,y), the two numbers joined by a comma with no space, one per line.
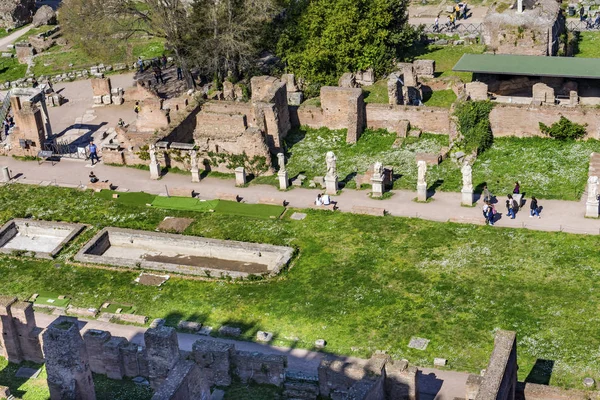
(321,39)
(101,25)
(228,34)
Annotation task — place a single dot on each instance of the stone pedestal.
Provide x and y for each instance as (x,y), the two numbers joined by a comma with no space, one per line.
(154,170)
(421,192)
(240,176)
(195,175)
(331,184)
(467,196)
(283,180)
(591,209)
(5,174)
(377,186)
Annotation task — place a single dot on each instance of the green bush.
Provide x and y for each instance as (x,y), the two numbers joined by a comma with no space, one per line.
(474,125)
(564,129)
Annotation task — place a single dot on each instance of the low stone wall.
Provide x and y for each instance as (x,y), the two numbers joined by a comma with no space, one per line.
(500,379)
(428,119)
(523,121)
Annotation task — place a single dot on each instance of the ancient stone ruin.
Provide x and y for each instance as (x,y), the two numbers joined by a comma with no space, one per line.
(188,255)
(535,31)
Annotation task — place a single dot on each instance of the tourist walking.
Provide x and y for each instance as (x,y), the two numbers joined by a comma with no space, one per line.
(164,61)
(436,24)
(534,209)
(464,11)
(510,207)
(136,109)
(581,13)
(487,196)
(140,64)
(517,189)
(93,153)
(179,73)
(158,75)
(457,11)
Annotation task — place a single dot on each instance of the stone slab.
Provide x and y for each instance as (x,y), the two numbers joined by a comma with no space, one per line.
(418,343)
(298,216)
(28,373)
(172,224)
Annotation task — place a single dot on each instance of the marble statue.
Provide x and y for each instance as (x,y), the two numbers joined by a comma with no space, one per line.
(331,160)
(193,159)
(378,169)
(152,152)
(422,179)
(281,162)
(592,189)
(467,175)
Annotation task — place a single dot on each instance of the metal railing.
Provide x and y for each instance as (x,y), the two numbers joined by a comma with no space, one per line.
(66,149)
(462,27)
(4,112)
(582,26)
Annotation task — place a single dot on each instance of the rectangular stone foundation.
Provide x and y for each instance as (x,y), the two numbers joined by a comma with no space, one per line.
(181,254)
(44,239)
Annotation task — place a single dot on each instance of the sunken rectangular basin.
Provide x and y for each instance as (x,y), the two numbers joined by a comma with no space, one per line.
(180,254)
(43,239)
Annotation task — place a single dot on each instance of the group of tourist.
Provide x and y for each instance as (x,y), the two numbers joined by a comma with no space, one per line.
(514,202)
(460,11)
(158,65)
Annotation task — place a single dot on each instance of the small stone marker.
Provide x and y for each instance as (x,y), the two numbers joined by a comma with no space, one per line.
(240,176)
(189,325)
(157,322)
(298,216)
(230,331)
(140,380)
(588,382)
(205,330)
(265,337)
(440,362)
(320,343)
(115,196)
(28,373)
(418,343)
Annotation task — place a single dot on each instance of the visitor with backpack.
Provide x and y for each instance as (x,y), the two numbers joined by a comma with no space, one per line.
(512,206)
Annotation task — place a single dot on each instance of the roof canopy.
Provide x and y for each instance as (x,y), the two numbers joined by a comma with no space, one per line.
(507,64)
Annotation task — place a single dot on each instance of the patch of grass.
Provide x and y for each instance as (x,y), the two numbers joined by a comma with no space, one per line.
(446,57)
(125,309)
(265,211)
(315,101)
(441,98)
(11,70)
(131,198)
(588,45)
(376,93)
(51,299)
(454,284)
(184,203)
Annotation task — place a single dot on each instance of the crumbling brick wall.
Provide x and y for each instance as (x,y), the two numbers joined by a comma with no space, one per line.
(428,119)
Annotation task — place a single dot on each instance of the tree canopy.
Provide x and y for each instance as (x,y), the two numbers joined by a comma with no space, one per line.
(321,39)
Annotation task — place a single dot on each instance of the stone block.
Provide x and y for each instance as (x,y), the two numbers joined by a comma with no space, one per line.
(230,331)
(189,325)
(94,342)
(162,349)
(184,382)
(113,359)
(424,68)
(476,91)
(295,98)
(106,99)
(215,360)
(266,369)
(347,80)
(543,93)
(264,337)
(100,86)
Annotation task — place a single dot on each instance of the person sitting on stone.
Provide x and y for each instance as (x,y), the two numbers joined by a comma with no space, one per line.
(93,178)
(319,200)
(121,122)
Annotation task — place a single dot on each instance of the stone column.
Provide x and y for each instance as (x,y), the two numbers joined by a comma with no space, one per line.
(377,180)
(467,189)
(194,166)
(422,181)
(591,205)
(195,175)
(162,349)
(154,165)
(67,362)
(240,176)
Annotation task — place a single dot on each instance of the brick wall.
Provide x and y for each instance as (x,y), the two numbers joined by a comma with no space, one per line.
(428,119)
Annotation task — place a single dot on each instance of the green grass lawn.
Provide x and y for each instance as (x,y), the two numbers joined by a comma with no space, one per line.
(446,57)
(184,203)
(376,93)
(132,198)
(11,70)
(588,45)
(264,211)
(362,283)
(440,98)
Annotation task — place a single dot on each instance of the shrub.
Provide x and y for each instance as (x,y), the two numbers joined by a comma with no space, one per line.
(474,124)
(564,129)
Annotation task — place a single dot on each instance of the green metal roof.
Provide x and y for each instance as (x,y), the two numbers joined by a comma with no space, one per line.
(508,64)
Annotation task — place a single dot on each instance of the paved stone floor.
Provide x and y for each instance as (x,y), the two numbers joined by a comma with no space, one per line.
(434,384)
